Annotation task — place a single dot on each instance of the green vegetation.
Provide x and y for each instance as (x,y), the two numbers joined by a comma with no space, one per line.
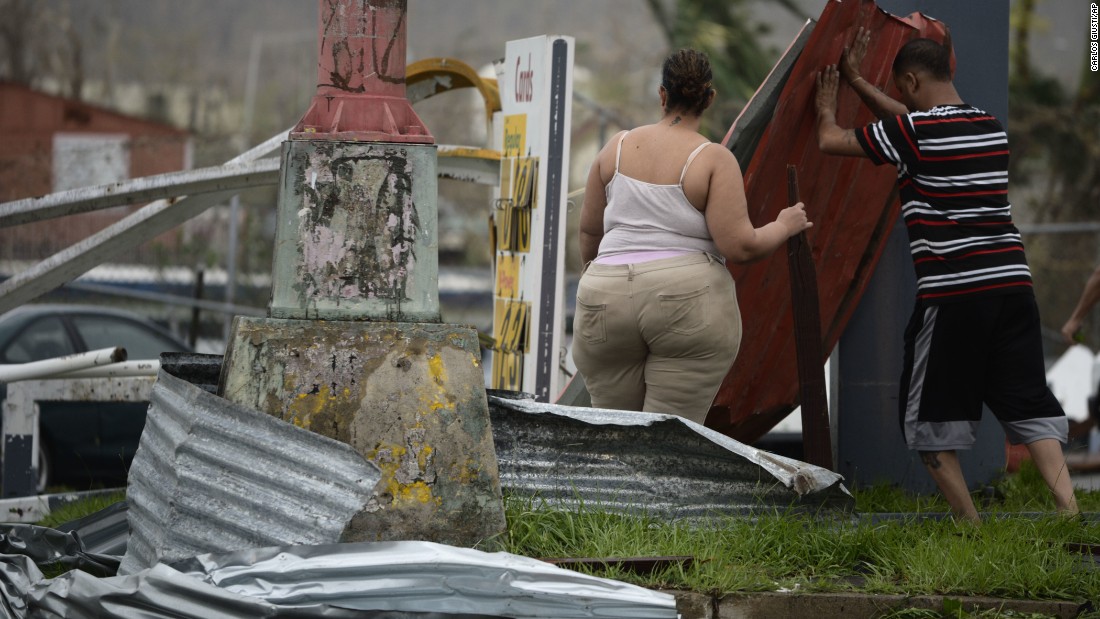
(1024,491)
(79,509)
(1021,558)
(953,610)
(1007,556)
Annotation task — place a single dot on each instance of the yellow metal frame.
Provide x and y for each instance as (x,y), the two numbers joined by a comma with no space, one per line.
(450,74)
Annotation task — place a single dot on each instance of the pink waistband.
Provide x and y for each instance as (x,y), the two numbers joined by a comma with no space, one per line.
(637,257)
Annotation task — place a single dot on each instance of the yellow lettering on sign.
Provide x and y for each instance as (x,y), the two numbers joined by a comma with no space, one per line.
(511,323)
(507,371)
(515,136)
(507,284)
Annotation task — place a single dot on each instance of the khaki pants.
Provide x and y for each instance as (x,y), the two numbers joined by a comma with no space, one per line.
(656,336)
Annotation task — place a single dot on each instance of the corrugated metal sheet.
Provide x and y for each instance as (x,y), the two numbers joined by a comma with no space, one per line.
(850,201)
(425,577)
(383,580)
(633,462)
(105,532)
(213,476)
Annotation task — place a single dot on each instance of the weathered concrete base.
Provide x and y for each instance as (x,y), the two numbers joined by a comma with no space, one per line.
(692,605)
(356,234)
(409,397)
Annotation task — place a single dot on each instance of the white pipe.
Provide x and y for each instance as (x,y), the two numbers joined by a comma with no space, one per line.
(148,367)
(9,373)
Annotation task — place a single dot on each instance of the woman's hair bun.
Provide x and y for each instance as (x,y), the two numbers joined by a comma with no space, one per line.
(688,81)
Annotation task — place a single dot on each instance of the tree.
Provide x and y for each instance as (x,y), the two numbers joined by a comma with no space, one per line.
(1055,170)
(725,30)
(19,30)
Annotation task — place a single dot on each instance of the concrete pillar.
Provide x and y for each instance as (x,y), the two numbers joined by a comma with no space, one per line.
(353,348)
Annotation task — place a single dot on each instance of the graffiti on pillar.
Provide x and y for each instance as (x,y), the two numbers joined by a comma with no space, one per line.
(362,40)
(358,226)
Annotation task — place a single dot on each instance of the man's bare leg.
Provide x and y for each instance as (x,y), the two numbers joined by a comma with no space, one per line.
(944,468)
(1051,462)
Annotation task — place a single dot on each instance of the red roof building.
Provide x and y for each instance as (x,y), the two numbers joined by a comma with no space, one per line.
(49,143)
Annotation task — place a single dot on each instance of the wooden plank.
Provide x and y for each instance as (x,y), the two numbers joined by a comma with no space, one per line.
(816,440)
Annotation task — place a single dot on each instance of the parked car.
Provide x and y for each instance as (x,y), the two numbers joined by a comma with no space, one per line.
(83,443)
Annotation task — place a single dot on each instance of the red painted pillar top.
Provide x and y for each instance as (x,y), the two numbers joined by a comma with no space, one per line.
(361,76)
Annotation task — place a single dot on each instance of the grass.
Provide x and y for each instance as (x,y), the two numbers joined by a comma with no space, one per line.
(1005,556)
(1020,558)
(956,611)
(1024,491)
(80,508)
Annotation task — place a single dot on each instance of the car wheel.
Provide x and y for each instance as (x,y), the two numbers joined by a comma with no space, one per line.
(43,481)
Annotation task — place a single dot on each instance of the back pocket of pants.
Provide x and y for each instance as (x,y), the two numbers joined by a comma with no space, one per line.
(685,313)
(590,322)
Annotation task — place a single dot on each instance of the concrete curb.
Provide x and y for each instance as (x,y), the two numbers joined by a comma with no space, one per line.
(693,605)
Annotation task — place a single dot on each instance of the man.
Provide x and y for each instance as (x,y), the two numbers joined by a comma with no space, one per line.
(1071,331)
(1089,296)
(974,335)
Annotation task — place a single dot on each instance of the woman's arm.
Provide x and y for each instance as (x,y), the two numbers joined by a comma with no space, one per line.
(728,220)
(1089,296)
(595,200)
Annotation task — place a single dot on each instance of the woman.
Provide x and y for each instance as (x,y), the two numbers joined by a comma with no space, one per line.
(657,325)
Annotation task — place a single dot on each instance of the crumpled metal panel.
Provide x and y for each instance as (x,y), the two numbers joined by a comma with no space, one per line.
(54,547)
(425,577)
(210,475)
(390,580)
(633,462)
(104,533)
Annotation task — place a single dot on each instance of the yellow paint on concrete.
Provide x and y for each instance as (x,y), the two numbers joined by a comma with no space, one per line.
(389,458)
(305,405)
(433,396)
(468,472)
(422,456)
(417,492)
(435,366)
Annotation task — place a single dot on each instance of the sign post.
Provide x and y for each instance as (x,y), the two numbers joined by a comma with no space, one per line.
(528,218)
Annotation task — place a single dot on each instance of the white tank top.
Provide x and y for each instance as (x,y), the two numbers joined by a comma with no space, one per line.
(645,217)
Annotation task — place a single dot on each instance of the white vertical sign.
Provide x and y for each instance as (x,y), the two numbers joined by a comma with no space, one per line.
(536,92)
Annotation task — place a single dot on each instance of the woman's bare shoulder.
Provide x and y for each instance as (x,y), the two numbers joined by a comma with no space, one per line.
(717,156)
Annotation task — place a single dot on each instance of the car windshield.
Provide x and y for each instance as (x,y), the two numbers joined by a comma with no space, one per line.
(43,338)
(139,341)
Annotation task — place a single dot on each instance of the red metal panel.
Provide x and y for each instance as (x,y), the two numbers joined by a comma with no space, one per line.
(852,203)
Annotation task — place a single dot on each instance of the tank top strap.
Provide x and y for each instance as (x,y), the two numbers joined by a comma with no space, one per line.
(691,157)
(619,149)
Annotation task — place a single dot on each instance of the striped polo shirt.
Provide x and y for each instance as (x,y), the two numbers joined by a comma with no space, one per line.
(953,180)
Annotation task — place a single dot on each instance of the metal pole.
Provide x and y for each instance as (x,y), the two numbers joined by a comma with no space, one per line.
(231,261)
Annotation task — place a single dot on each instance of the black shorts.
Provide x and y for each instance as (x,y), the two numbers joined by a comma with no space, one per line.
(961,354)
